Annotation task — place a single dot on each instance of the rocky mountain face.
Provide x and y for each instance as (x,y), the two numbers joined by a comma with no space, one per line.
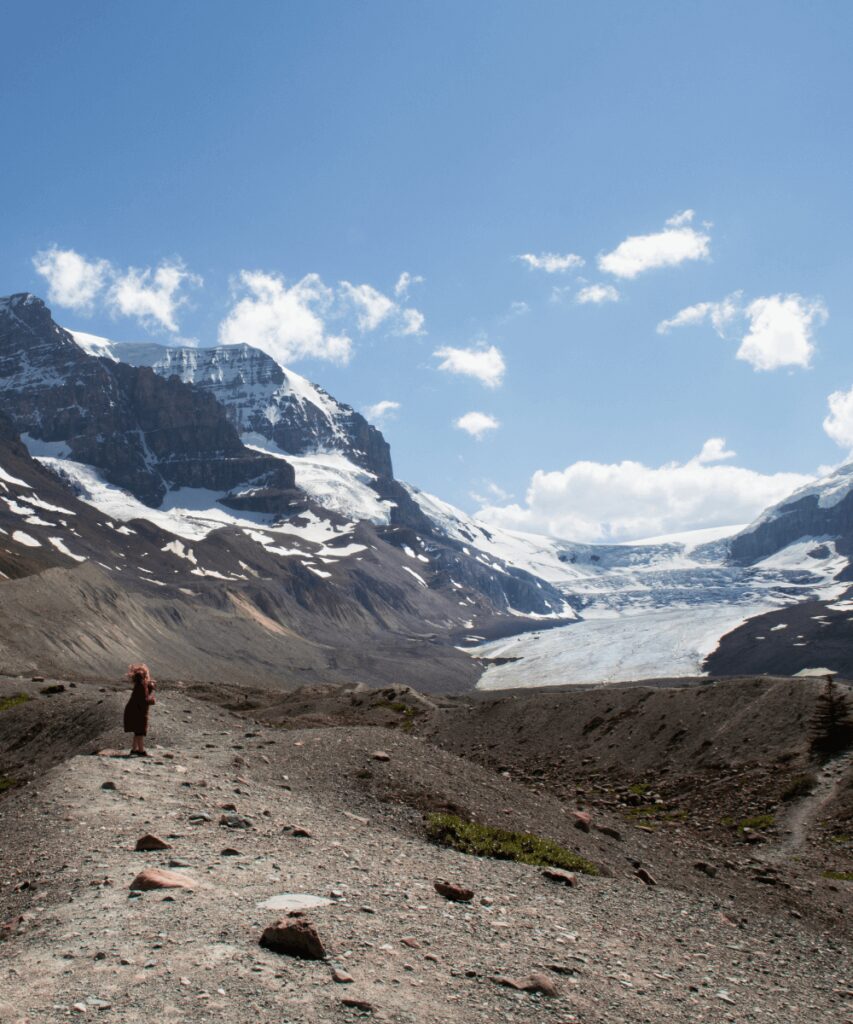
(260,397)
(143,433)
(822,511)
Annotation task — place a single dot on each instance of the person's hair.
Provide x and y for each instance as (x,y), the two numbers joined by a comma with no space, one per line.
(138,673)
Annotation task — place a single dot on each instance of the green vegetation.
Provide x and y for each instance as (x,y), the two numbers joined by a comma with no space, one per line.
(800,785)
(758,821)
(639,788)
(6,783)
(502,844)
(13,701)
(839,876)
(841,837)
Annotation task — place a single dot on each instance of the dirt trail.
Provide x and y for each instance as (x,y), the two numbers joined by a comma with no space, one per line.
(798,823)
(619,951)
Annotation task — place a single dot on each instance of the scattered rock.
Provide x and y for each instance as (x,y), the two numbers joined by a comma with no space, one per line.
(357,1004)
(559,875)
(229,851)
(380,755)
(455,893)
(342,977)
(108,785)
(231,820)
(294,936)
(705,868)
(291,901)
(159,878)
(644,876)
(152,842)
(357,817)
(607,830)
(535,982)
(583,820)
(297,831)
(199,817)
(411,942)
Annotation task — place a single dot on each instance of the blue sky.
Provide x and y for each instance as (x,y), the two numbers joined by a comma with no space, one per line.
(356,142)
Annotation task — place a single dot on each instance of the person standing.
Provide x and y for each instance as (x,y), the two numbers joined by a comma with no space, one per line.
(136,709)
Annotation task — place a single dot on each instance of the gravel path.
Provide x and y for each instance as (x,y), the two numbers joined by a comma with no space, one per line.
(618,951)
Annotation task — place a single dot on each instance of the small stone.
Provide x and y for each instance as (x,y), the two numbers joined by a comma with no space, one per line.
(108,785)
(411,942)
(80,1007)
(380,755)
(607,830)
(297,831)
(583,820)
(229,851)
(357,1004)
(294,936)
(644,876)
(100,955)
(535,982)
(705,868)
(561,876)
(158,878)
(231,820)
(455,893)
(152,842)
(341,977)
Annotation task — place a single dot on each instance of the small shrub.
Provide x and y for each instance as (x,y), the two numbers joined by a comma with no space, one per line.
(757,821)
(800,785)
(639,788)
(503,844)
(6,783)
(13,701)
(839,876)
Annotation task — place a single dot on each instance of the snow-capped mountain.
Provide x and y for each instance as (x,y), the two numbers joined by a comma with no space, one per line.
(131,481)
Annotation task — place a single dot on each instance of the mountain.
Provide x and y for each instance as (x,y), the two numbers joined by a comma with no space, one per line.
(136,522)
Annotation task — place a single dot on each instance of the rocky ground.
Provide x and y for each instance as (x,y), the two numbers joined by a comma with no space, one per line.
(758,934)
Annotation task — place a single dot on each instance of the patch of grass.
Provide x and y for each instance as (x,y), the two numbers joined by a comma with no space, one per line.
(6,783)
(503,844)
(13,701)
(840,837)
(639,788)
(757,821)
(839,876)
(800,785)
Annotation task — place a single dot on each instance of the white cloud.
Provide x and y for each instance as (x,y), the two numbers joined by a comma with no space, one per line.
(676,244)
(494,492)
(678,220)
(73,281)
(780,331)
(551,262)
(485,364)
(714,450)
(285,322)
(405,282)
(411,322)
(382,410)
(779,328)
(597,293)
(518,308)
(373,308)
(477,424)
(721,315)
(839,423)
(152,296)
(593,501)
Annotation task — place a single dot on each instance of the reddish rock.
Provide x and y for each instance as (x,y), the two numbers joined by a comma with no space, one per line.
(357,1004)
(535,982)
(342,977)
(294,936)
(159,878)
(152,842)
(558,875)
(583,820)
(456,893)
(644,876)
(411,942)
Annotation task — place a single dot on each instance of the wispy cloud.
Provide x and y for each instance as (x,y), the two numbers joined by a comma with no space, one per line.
(72,280)
(839,423)
(677,243)
(551,262)
(484,364)
(286,322)
(405,282)
(374,308)
(152,296)
(778,329)
(381,410)
(597,293)
(477,424)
